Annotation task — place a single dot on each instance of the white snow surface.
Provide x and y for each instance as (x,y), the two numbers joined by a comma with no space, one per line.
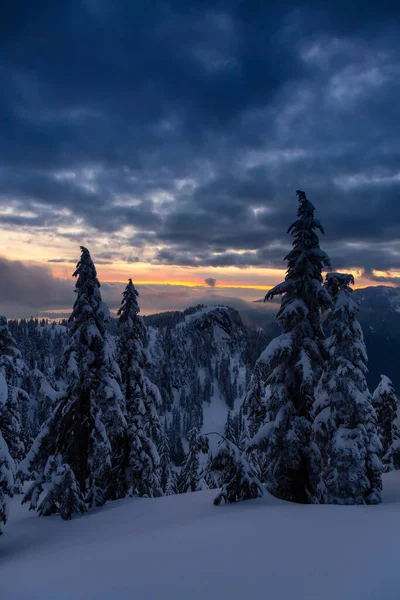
(184,548)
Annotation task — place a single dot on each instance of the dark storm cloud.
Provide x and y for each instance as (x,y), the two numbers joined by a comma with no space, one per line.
(210,281)
(383,279)
(194,122)
(32,287)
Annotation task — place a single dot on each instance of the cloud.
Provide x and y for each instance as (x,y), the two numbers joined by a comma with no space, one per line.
(256,103)
(383,279)
(210,281)
(28,288)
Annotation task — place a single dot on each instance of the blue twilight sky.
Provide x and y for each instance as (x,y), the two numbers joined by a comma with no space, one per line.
(169,137)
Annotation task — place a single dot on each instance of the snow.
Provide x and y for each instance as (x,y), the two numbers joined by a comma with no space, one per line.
(183,547)
(47,390)
(201,313)
(53,329)
(279,344)
(214,416)
(152,333)
(3,390)
(385,386)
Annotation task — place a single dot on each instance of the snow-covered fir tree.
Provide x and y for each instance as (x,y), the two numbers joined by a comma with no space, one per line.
(235,429)
(139,466)
(210,474)
(15,422)
(228,429)
(6,462)
(240,430)
(345,422)
(75,450)
(6,481)
(167,473)
(63,495)
(294,361)
(384,401)
(11,364)
(43,397)
(238,474)
(189,477)
(255,402)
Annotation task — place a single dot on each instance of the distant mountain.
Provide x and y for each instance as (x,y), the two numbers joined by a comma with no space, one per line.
(380,319)
(201,360)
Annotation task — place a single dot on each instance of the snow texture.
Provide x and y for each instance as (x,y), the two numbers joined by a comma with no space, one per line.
(182,547)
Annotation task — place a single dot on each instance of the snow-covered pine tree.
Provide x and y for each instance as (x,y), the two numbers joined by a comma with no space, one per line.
(166,475)
(189,477)
(229,432)
(11,363)
(345,422)
(15,423)
(139,466)
(6,481)
(384,401)
(240,431)
(210,474)
(43,396)
(295,360)
(63,495)
(235,430)
(6,463)
(238,475)
(87,427)
(255,402)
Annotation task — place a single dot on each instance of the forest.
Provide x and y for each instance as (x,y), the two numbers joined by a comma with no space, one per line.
(95,409)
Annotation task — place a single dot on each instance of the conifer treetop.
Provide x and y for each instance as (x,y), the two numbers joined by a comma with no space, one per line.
(129,308)
(385,387)
(8,346)
(85,271)
(88,306)
(334,282)
(306,259)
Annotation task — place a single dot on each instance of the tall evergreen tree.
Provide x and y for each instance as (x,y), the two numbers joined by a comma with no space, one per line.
(14,413)
(189,477)
(140,464)
(345,423)
(295,360)
(6,463)
(11,363)
(165,462)
(210,473)
(229,432)
(255,402)
(6,481)
(240,431)
(384,401)
(82,436)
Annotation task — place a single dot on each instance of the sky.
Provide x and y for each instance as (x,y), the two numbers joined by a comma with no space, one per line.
(169,138)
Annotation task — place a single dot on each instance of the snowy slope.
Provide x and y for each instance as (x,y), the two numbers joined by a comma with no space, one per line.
(199,362)
(184,548)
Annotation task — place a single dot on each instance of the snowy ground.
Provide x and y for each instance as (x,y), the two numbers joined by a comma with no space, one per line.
(184,548)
